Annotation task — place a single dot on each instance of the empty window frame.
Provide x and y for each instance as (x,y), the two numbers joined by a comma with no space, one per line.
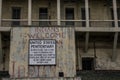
(43,14)
(16,13)
(69,15)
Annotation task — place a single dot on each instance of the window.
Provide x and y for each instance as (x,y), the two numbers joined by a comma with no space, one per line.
(118,14)
(43,14)
(87,63)
(83,17)
(16,12)
(69,15)
(112,17)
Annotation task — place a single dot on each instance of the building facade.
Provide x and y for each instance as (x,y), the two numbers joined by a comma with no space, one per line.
(86,34)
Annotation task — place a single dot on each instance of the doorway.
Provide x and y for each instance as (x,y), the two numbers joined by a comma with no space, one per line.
(4,54)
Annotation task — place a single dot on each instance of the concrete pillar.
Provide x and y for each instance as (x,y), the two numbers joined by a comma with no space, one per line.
(0,12)
(86,41)
(1,55)
(29,12)
(87,24)
(87,12)
(0,32)
(115,13)
(58,12)
(114,54)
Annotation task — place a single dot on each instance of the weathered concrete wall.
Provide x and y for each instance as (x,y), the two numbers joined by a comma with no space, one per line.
(51,5)
(97,9)
(7,8)
(103,60)
(19,52)
(36,4)
(102,55)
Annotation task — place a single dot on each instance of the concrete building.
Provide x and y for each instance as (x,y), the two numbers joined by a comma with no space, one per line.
(83,35)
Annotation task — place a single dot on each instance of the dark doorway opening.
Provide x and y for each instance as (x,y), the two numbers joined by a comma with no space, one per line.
(87,63)
(4,54)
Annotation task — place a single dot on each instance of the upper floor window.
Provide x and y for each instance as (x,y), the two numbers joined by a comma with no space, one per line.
(118,14)
(43,14)
(69,15)
(16,13)
(83,16)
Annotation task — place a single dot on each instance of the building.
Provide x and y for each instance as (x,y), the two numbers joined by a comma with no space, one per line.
(84,35)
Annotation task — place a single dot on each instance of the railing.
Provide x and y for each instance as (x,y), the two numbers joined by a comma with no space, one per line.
(102,23)
(74,23)
(52,22)
(14,22)
(44,22)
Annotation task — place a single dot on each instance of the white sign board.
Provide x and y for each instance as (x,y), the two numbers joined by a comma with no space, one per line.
(42,52)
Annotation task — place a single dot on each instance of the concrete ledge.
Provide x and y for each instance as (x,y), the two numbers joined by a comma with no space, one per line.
(81,29)
(97,29)
(2,29)
(60,78)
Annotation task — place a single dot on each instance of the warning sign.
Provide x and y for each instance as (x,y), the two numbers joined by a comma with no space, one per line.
(42,52)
